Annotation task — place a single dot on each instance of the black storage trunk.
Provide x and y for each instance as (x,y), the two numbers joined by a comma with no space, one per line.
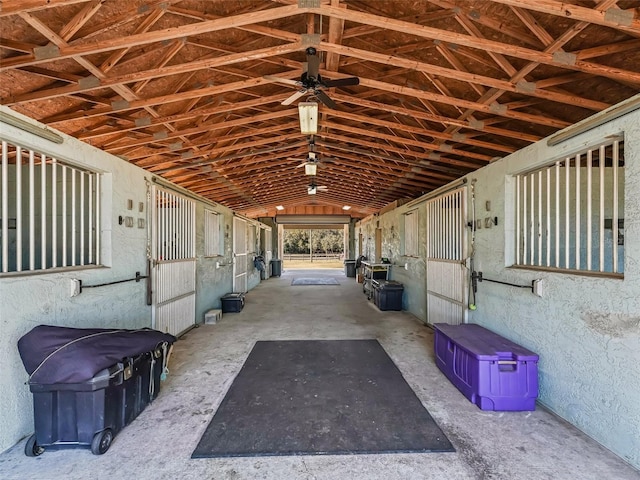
(232,302)
(88,384)
(387,294)
(90,414)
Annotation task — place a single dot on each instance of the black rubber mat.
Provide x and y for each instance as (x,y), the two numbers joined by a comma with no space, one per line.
(304,397)
(314,281)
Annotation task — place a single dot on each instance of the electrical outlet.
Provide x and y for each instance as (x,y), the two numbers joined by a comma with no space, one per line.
(75,287)
(537,287)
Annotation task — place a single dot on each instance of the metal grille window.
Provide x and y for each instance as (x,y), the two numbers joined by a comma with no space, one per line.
(251,238)
(445,226)
(212,236)
(411,234)
(570,215)
(50,212)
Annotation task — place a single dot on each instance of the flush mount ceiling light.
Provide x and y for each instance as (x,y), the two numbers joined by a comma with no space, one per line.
(308,112)
(279,207)
(346,207)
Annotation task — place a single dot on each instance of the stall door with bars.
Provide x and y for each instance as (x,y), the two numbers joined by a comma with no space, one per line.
(173,272)
(239,255)
(446,253)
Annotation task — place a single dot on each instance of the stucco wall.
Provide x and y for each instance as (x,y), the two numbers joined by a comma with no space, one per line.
(44,298)
(30,300)
(586,329)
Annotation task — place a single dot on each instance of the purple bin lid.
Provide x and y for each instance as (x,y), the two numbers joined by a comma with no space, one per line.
(483,344)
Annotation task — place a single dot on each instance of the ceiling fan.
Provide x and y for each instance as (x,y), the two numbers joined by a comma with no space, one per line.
(312,188)
(313,159)
(311,82)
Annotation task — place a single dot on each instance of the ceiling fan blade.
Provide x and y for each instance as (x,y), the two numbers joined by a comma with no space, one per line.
(313,64)
(324,98)
(286,81)
(294,97)
(341,82)
(322,188)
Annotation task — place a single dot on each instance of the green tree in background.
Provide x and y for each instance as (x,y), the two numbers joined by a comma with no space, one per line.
(323,241)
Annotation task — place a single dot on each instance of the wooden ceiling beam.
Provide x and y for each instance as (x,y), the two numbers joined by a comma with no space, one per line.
(212,161)
(365,141)
(374,155)
(11,7)
(421,131)
(149,21)
(472,125)
(377,136)
(624,20)
(336,29)
(80,19)
(257,29)
(485,44)
(97,46)
(464,76)
(496,109)
(604,50)
(204,128)
(146,122)
(110,81)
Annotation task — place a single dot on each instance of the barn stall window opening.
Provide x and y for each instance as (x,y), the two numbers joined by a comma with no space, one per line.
(50,213)
(570,214)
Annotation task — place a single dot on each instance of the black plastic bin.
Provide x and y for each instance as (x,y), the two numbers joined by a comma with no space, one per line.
(90,414)
(88,384)
(232,302)
(387,294)
(276,267)
(350,268)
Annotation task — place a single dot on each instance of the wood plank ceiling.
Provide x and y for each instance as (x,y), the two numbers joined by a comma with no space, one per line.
(192,89)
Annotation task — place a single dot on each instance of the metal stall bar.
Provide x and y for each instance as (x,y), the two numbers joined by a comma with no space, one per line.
(614,220)
(589,208)
(18,209)
(32,211)
(601,172)
(43,211)
(578,188)
(5,207)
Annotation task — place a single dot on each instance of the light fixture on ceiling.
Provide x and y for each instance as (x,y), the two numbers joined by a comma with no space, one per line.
(312,189)
(31,128)
(279,207)
(310,168)
(346,207)
(308,112)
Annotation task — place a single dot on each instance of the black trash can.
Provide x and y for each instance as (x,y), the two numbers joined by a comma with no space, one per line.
(276,267)
(350,268)
(78,400)
(387,294)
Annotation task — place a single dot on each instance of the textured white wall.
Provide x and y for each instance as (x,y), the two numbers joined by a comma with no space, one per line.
(586,329)
(30,300)
(44,298)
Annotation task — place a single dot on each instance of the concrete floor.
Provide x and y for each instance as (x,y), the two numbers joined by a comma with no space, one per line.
(158,444)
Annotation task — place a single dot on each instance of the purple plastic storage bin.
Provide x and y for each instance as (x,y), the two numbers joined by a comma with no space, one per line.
(491,371)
